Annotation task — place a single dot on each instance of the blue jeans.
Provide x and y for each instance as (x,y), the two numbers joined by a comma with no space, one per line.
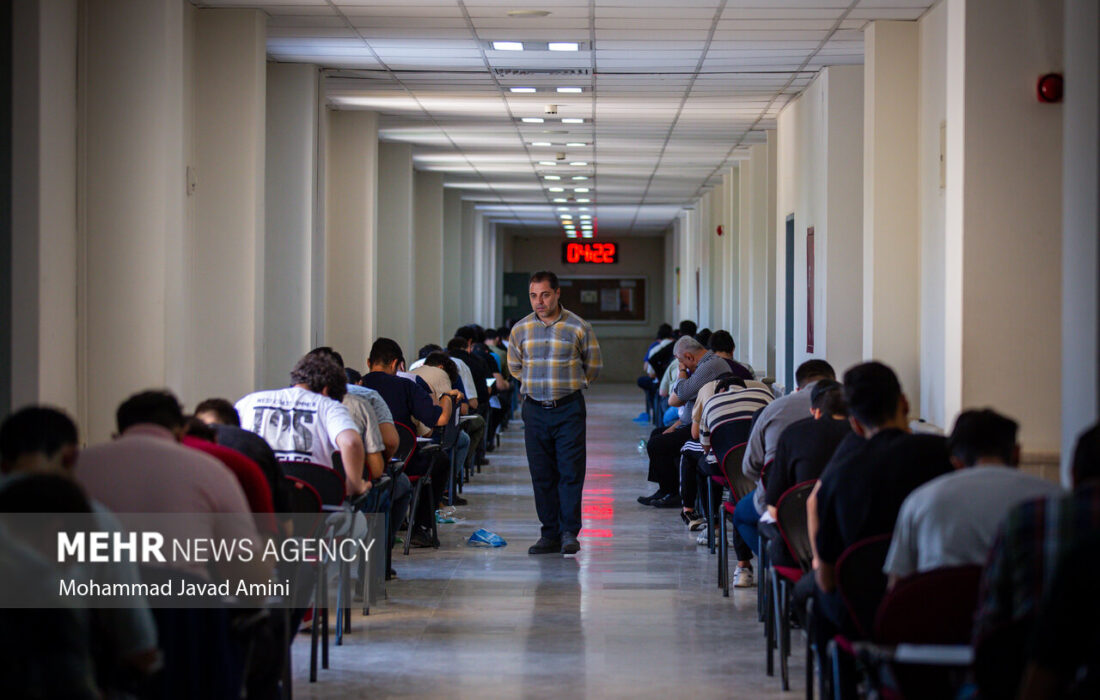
(745,519)
(555,441)
(462,447)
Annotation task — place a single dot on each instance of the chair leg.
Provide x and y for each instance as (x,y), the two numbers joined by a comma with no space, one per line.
(412,513)
(769,636)
(724,558)
(454,484)
(782,628)
(710,515)
(315,624)
(340,601)
(324,620)
(435,525)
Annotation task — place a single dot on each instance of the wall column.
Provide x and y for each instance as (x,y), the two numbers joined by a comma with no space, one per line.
(394,245)
(891,236)
(428,250)
(452,253)
(350,225)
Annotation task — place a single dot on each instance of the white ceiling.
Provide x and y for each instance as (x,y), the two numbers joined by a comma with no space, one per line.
(673,92)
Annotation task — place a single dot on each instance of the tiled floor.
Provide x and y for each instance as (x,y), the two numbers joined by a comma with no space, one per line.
(635,614)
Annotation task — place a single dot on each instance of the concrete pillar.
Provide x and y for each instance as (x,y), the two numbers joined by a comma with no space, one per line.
(744,257)
(43,364)
(131,320)
(891,234)
(350,224)
(453,271)
(225,275)
(394,245)
(770,236)
(1080,228)
(730,250)
(293,246)
(758,259)
(428,252)
(671,310)
(716,259)
(470,257)
(1003,216)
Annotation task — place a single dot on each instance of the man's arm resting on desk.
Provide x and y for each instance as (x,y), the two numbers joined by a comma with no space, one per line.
(352,455)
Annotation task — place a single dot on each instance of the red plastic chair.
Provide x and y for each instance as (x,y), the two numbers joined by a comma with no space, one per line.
(791,521)
(408,448)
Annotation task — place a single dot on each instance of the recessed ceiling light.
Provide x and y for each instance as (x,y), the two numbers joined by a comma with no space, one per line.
(550,163)
(552,177)
(587,234)
(570,234)
(584,200)
(523,89)
(528,13)
(560,199)
(557,189)
(562,46)
(576,144)
(541,143)
(508,45)
(580,189)
(572,120)
(570,89)
(533,120)
(579,163)
(580,177)
(563,208)
(586,216)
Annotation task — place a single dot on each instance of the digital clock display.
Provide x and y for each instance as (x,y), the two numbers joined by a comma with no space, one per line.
(575,252)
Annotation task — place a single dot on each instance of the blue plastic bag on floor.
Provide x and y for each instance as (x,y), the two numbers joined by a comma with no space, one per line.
(484,538)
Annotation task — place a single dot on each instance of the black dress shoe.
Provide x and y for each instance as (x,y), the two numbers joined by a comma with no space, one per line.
(670,500)
(545,545)
(648,500)
(569,544)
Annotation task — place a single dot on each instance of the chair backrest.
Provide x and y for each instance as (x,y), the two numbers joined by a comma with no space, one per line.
(861,583)
(305,505)
(325,480)
(450,431)
(730,464)
(934,607)
(407,443)
(792,522)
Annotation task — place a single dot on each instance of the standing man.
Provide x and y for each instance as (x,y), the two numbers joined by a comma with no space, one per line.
(555,354)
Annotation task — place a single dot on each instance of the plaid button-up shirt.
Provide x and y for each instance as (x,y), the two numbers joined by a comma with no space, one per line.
(556,359)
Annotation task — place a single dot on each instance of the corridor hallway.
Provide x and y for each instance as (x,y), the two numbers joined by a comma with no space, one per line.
(635,614)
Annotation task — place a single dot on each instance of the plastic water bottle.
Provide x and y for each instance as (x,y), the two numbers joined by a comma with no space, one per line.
(641,446)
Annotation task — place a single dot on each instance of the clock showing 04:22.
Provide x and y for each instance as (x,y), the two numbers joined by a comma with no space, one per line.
(578,253)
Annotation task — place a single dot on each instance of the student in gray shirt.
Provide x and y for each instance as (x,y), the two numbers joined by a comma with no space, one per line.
(953,519)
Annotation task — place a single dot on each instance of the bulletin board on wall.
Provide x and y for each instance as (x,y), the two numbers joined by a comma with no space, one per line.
(607,299)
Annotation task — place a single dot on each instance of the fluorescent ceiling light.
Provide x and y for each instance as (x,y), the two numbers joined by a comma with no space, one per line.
(560,199)
(552,177)
(580,177)
(572,120)
(587,234)
(557,189)
(533,120)
(576,144)
(549,163)
(584,209)
(570,234)
(570,89)
(541,143)
(586,216)
(508,45)
(579,163)
(563,208)
(561,46)
(522,89)
(580,189)
(584,200)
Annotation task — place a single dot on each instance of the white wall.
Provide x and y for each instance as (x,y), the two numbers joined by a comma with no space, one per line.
(394,276)
(428,252)
(452,253)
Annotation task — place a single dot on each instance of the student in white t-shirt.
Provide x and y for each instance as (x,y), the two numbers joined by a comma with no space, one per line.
(306,422)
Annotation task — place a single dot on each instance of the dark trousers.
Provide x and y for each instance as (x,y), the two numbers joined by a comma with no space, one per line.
(664,457)
(555,441)
(438,465)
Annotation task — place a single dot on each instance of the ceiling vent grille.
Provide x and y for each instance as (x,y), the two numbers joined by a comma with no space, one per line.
(537,72)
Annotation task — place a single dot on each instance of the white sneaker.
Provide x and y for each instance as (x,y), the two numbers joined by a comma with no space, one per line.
(743,578)
(701,539)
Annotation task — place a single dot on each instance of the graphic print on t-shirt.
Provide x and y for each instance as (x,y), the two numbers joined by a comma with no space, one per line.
(289,431)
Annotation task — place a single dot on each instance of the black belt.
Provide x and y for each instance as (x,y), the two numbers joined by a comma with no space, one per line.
(568,398)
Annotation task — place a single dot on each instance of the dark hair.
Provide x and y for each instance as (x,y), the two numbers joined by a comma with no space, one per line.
(545,276)
(703,337)
(688,328)
(225,411)
(326,351)
(319,373)
(722,341)
(193,427)
(827,396)
(353,376)
(983,433)
(491,333)
(457,344)
(1086,456)
(440,360)
(35,429)
(384,352)
(427,350)
(466,333)
(726,380)
(44,493)
(664,331)
(479,332)
(872,392)
(813,369)
(157,406)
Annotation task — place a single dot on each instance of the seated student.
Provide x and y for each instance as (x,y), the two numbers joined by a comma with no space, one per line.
(766,430)
(197,435)
(860,491)
(721,343)
(306,422)
(473,423)
(146,470)
(1031,543)
(442,373)
(650,377)
(407,400)
(222,417)
(460,348)
(953,519)
(43,440)
(495,344)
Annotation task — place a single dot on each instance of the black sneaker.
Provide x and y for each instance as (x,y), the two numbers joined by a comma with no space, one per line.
(422,538)
(545,545)
(458,501)
(569,544)
(670,500)
(694,519)
(648,500)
